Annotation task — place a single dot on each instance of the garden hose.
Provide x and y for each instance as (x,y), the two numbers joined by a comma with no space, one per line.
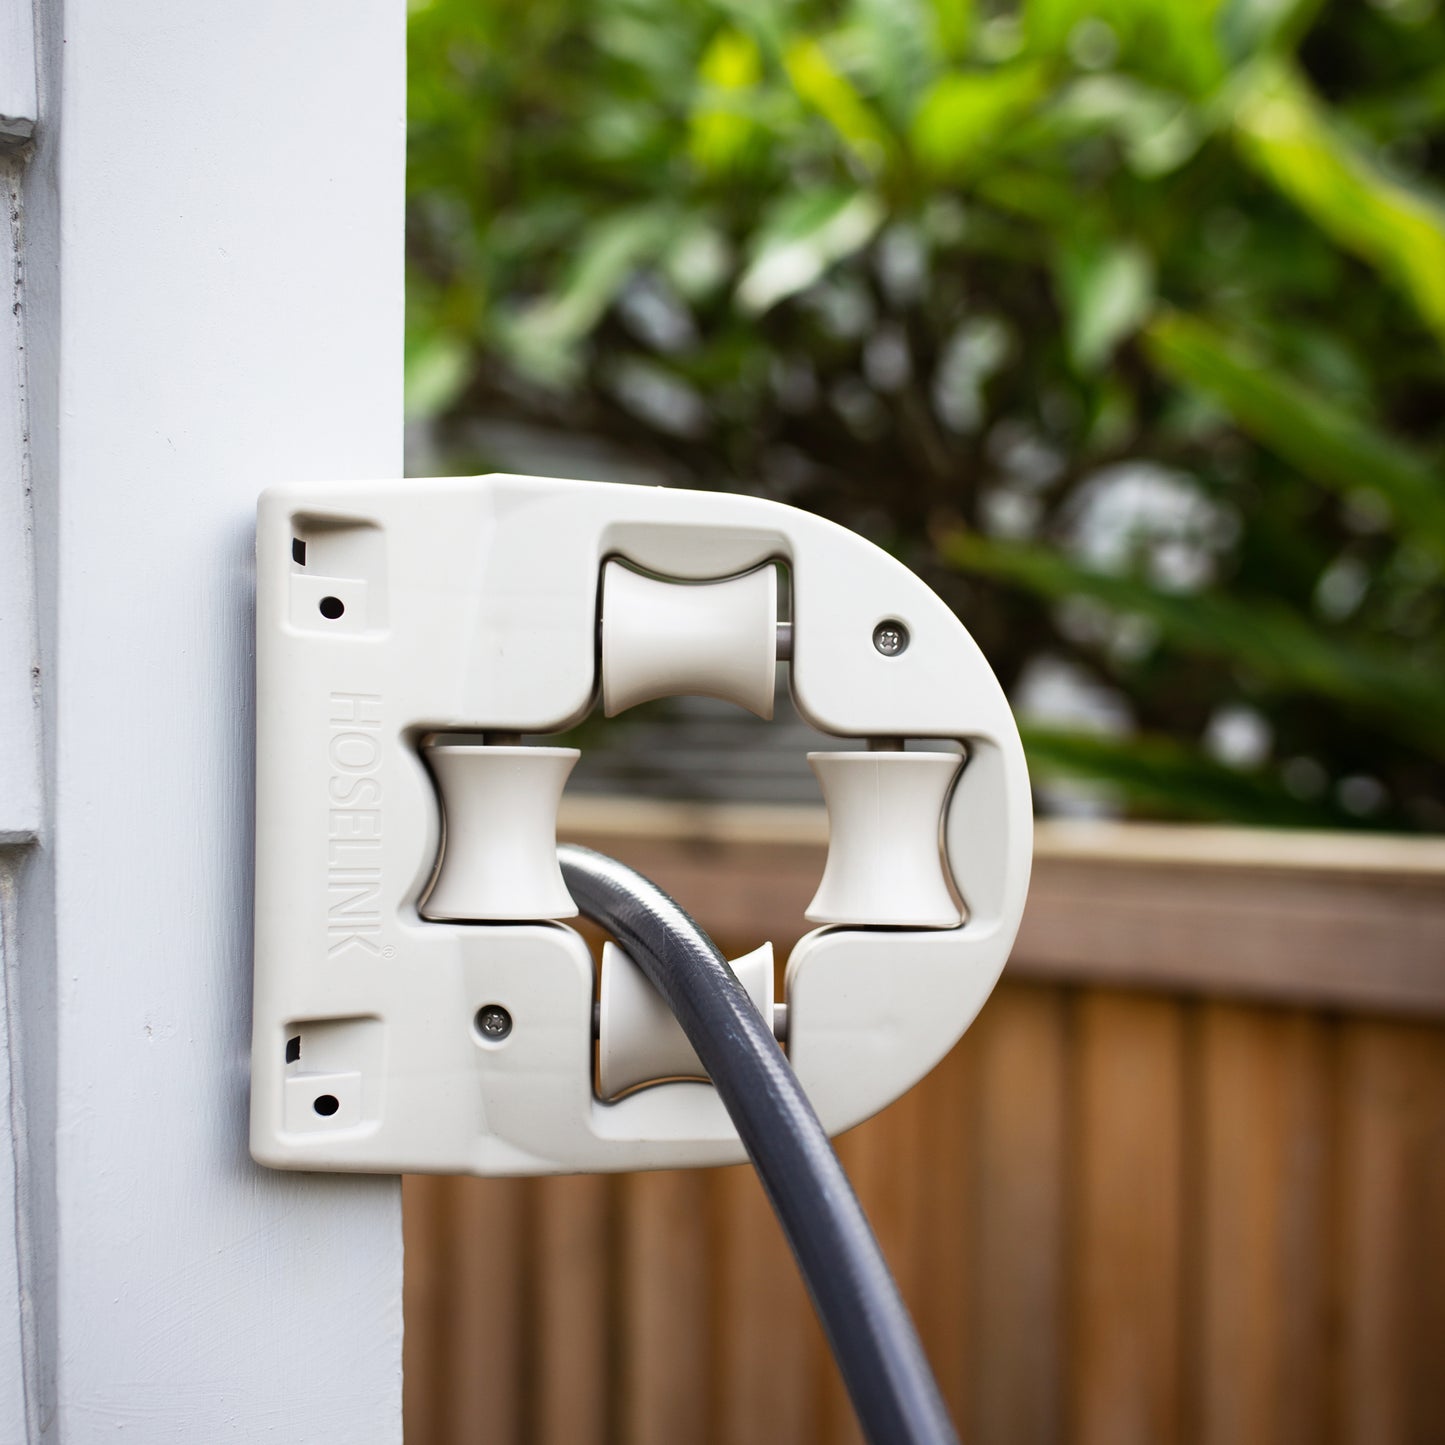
(868,1327)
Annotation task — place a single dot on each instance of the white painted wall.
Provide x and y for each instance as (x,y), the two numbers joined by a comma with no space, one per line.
(21,803)
(17,70)
(212,224)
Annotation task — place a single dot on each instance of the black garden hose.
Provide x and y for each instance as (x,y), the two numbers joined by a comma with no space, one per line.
(872,1337)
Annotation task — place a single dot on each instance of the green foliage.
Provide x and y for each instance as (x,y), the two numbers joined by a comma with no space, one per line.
(1122,322)
(1281,650)
(1314,433)
(1284,133)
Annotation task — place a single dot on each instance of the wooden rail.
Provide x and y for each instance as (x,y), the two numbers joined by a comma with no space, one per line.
(1314,918)
(1184,1180)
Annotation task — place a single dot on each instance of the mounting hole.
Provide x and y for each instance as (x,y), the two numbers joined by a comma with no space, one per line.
(492,1023)
(326,1105)
(890,637)
(332,607)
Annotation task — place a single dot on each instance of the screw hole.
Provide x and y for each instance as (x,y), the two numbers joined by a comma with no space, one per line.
(332,607)
(492,1023)
(326,1105)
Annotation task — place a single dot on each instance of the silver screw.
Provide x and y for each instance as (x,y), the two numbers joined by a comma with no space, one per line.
(890,637)
(493,1023)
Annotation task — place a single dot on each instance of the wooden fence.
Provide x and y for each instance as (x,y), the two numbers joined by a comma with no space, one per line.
(1184,1180)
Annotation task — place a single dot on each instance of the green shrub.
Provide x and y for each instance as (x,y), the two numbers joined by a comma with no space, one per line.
(1122,323)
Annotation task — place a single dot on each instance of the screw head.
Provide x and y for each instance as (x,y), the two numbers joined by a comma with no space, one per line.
(493,1023)
(890,637)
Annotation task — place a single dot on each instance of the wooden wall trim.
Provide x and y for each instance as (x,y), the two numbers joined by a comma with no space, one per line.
(1320,919)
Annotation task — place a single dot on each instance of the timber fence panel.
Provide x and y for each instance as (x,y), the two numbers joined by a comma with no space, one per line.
(1129,1206)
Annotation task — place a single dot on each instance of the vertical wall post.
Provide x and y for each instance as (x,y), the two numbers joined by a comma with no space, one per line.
(211,224)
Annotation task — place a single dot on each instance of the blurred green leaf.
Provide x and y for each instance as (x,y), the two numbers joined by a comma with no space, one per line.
(1313,433)
(801,237)
(723,126)
(435,370)
(964,113)
(1284,133)
(822,86)
(1175,44)
(698,260)
(955,20)
(889,49)
(1279,647)
(1107,291)
(1248,26)
(544,335)
(1158,129)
